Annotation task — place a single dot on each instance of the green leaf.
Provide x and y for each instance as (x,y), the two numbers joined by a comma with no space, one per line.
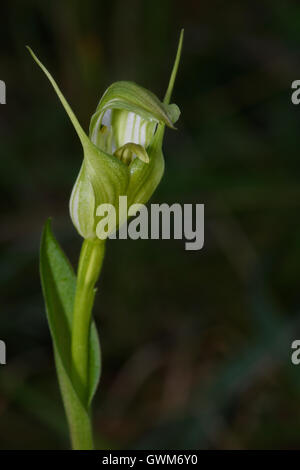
(77,414)
(94,363)
(59,285)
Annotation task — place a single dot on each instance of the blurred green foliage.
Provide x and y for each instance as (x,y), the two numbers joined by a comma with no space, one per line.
(196,345)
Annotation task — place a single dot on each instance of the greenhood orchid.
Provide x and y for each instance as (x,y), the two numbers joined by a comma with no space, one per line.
(122,156)
(123,152)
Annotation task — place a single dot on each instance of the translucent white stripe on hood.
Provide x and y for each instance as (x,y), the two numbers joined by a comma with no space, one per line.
(122,127)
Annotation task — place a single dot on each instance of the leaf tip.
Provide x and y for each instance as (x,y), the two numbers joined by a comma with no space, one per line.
(47,230)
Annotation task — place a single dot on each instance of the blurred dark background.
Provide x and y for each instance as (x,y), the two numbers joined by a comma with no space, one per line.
(196,345)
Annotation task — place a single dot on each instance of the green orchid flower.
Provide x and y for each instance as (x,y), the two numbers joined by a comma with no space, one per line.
(123,152)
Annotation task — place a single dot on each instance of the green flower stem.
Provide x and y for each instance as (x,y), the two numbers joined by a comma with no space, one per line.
(90,263)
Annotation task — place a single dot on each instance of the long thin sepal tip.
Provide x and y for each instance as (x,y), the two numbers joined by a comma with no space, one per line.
(81,134)
(174,70)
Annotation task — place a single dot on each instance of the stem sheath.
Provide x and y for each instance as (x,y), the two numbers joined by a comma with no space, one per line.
(90,263)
